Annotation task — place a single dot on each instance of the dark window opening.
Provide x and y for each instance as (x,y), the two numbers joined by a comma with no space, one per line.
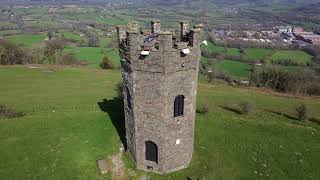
(151,151)
(178,106)
(141,57)
(182,54)
(156,46)
(129,98)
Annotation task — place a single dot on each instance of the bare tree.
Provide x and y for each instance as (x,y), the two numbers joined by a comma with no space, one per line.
(53,50)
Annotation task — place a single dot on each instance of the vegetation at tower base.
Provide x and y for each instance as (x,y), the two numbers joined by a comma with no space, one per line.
(106,63)
(302,111)
(246,107)
(9,113)
(160,72)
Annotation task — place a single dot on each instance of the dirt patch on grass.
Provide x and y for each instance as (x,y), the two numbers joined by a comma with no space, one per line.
(8,113)
(117,169)
(114,165)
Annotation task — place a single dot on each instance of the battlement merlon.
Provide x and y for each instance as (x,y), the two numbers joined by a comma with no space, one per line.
(196,35)
(133,38)
(121,32)
(184,28)
(155,26)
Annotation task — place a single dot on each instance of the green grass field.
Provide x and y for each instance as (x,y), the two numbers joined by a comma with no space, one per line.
(70,35)
(256,54)
(219,49)
(235,68)
(242,70)
(27,40)
(8,24)
(64,132)
(94,55)
(297,56)
(9,32)
(213,47)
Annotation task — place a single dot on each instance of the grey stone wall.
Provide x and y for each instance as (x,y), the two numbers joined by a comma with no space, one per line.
(154,81)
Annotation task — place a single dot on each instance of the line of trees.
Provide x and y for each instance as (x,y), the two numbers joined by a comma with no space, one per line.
(50,53)
(304,82)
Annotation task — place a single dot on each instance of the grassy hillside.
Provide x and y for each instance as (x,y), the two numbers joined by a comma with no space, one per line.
(64,132)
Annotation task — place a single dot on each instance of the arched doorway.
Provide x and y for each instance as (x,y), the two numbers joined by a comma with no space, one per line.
(151,151)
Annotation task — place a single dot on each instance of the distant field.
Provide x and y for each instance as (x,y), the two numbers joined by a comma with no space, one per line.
(213,47)
(104,41)
(219,49)
(256,54)
(292,68)
(64,132)
(94,55)
(235,68)
(233,51)
(91,54)
(9,32)
(297,56)
(70,35)
(8,24)
(45,24)
(27,40)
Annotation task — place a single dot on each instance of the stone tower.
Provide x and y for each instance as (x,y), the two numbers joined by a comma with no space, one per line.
(160,71)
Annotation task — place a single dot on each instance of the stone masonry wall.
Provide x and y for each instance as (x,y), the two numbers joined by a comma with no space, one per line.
(154,82)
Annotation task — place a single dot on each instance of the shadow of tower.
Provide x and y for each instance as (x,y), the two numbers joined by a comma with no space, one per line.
(114,108)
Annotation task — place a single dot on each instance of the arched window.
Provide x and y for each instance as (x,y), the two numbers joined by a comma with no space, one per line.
(178,106)
(129,98)
(151,151)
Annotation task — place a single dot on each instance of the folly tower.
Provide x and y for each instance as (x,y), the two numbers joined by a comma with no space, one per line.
(160,71)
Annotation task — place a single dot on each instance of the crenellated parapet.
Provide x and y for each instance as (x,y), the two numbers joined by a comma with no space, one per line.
(157,50)
(131,38)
